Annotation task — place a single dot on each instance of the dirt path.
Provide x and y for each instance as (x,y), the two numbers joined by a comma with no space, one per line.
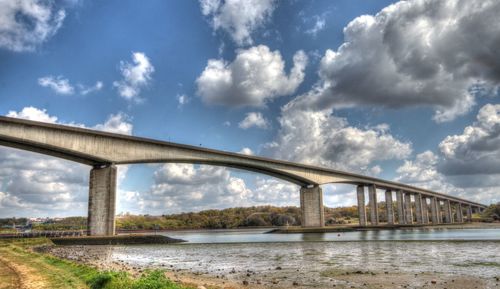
(21,275)
(21,270)
(8,276)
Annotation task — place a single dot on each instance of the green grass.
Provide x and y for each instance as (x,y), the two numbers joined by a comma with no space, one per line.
(59,273)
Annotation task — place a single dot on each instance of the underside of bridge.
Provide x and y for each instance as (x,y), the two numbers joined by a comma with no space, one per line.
(104,150)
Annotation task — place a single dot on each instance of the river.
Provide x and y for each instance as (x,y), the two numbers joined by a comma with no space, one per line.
(317,259)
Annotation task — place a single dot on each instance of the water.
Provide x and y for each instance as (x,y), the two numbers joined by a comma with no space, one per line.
(474,252)
(258,236)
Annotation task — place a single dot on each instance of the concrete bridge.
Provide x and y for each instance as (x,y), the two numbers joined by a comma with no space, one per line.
(103,151)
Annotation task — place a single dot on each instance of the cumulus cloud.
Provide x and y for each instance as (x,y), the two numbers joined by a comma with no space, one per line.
(422,172)
(25,24)
(186,187)
(254,119)
(58,84)
(238,18)
(136,76)
(320,138)
(256,76)
(413,53)
(466,165)
(33,113)
(477,149)
(246,151)
(37,185)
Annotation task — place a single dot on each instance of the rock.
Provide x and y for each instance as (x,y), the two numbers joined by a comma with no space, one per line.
(278,268)
(295,283)
(245,282)
(433,281)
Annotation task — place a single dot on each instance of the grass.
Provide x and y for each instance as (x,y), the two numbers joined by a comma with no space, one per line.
(44,271)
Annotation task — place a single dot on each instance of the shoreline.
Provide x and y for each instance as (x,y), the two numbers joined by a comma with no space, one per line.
(276,277)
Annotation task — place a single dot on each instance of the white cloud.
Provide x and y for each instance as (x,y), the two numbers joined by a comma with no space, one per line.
(256,76)
(84,90)
(246,151)
(136,76)
(319,25)
(33,113)
(63,86)
(477,149)
(466,165)
(24,24)
(182,99)
(116,123)
(413,53)
(33,184)
(58,84)
(254,119)
(320,138)
(238,18)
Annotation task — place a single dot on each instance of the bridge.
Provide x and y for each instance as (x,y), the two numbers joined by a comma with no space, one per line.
(103,151)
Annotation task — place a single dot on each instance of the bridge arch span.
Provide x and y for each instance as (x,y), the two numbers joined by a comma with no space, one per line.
(103,150)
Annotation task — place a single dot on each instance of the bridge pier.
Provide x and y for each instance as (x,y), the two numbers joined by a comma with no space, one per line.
(311,204)
(418,208)
(425,211)
(401,208)
(460,213)
(360,190)
(372,196)
(434,211)
(102,195)
(388,207)
(408,209)
(448,217)
(469,213)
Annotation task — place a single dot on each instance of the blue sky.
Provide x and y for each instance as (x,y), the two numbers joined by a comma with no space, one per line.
(403,91)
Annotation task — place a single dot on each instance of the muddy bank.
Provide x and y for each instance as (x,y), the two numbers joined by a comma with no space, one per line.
(356,227)
(211,274)
(116,240)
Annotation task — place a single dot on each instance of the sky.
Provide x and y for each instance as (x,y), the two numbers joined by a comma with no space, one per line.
(405,91)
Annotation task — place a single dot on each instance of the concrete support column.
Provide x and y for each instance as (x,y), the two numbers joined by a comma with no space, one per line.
(448,217)
(469,213)
(372,196)
(311,204)
(102,196)
(460,214)
(418,208)
(360,190)
(439,212)
(401,208)
(388,207)
(434,211)
(408,209)
(425,211)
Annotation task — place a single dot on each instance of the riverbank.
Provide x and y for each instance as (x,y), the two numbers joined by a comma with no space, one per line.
(22,268)
(279,273)
(356,227)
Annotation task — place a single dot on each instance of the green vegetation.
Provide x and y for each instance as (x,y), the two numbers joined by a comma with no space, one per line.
(492,213)
(260,216)
(45,271)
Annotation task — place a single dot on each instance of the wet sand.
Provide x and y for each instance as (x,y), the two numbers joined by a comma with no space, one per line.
(277,277)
